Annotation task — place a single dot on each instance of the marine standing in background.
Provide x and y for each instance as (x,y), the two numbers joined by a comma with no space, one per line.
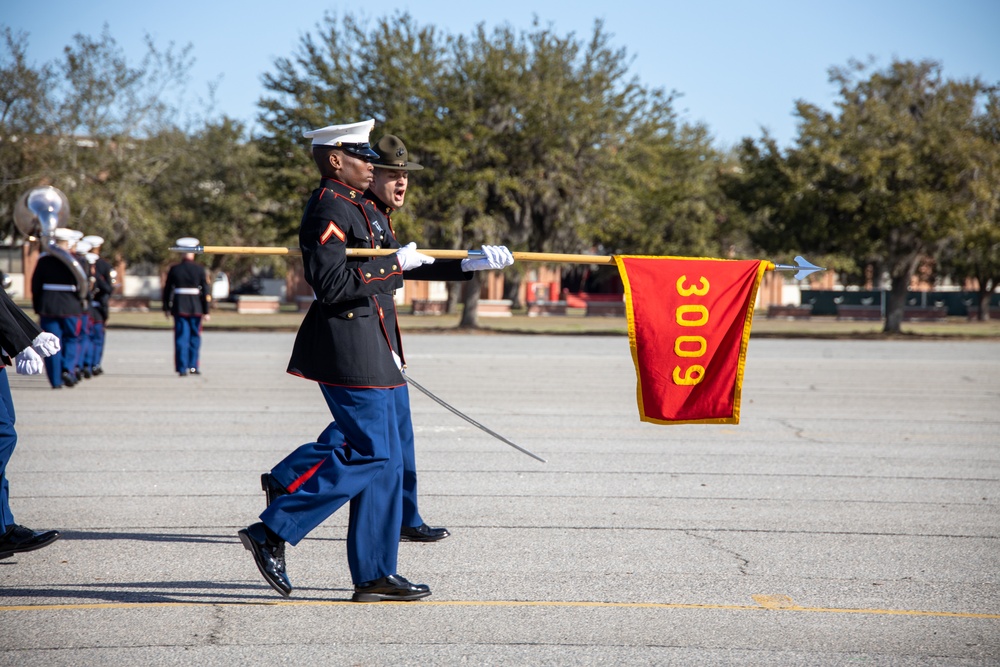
(83,350)
(22,338)
(55,299)
(104,285)
(90,365)
(186,296)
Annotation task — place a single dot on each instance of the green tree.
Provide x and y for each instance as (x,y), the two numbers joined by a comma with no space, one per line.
(349,71)
(879,180)
(112,118)
(26,146)
(214,189)
(974,253)
(672,194)
(88,124)
(550,124)
(524,133)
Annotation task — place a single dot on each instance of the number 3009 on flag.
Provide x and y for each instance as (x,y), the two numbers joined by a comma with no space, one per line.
(690,346)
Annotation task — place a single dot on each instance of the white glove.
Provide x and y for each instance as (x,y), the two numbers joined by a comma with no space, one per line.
(28,362)
(409,258)
(46,344)
(494,257)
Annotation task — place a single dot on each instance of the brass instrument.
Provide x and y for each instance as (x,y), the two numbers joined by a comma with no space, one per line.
(38,213)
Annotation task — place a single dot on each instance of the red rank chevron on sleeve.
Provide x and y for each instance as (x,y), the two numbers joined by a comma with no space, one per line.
(689,324)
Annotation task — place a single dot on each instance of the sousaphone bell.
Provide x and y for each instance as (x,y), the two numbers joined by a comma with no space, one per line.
(38,213)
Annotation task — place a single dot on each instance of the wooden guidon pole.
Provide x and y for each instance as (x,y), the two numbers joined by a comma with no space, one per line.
(801,267)
(553,257)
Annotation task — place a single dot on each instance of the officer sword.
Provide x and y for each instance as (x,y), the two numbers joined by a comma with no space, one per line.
(469,419)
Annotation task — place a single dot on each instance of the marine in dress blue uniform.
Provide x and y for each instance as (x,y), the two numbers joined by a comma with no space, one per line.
(57,303)
(19,336)
(348,342)
(84,349)
(385,195)
(94,348)
(100,303)
(185,296)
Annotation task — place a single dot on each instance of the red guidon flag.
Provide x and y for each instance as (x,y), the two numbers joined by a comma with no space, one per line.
(688,327)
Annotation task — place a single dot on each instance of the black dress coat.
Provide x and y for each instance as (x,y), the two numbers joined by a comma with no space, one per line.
(50,270)
(189,275)
(17,330)
(348,336)
(103,287)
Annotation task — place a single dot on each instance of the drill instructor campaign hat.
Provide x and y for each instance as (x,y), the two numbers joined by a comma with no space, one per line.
(392,155)
(351,138)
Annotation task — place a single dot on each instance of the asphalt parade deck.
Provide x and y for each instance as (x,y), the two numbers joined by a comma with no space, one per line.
(853,516)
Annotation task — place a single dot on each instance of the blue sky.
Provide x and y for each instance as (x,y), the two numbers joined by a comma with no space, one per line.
(739,66)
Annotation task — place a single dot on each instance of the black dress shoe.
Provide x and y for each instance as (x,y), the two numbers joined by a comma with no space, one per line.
(68,379)
(272,488)
(268,555)
(194,371)
(18,539)
(96,370)
(393,587)
(87,374)
(422,533)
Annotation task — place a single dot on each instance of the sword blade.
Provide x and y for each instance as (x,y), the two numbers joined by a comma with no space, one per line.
(469,419)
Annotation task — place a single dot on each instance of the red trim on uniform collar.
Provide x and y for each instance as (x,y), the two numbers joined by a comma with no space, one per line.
(379,205)
(340,183)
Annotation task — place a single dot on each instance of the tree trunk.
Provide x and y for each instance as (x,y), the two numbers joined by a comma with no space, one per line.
(470,298)
(512,289)
(901,270)
(985,292)
(897,302)
(454,295)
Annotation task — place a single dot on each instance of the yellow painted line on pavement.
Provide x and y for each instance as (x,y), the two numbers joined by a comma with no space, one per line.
(774,601)
(781,603)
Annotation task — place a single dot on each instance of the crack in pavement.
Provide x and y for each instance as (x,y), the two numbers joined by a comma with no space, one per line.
(714,543)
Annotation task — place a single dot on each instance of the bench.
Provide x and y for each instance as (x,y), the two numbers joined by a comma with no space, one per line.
(495,308)
(910,313)
(605,309)
(117,304)
(789,312)
(256,304)
(925,313)
(857,312)
(546,308)
(429,307)
(972,312)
